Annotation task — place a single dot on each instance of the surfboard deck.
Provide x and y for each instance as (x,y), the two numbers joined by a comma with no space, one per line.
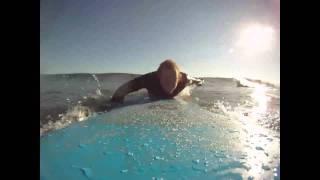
(166,139)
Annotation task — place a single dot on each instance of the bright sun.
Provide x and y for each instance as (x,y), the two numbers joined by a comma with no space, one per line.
(255,39)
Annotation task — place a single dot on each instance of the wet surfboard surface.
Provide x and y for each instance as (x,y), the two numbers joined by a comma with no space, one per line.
(168,139)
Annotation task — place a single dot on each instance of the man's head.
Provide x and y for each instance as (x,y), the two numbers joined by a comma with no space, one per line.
(169,75)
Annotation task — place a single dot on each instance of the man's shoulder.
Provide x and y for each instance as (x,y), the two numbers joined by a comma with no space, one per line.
(150,75)
(145,79)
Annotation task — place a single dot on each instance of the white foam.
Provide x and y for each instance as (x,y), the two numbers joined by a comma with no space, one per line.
(76,113)
(186,91)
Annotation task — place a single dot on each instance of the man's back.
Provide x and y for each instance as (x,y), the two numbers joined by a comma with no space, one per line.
(151,82)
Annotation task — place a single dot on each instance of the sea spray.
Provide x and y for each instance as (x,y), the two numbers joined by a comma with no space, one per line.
(98,91)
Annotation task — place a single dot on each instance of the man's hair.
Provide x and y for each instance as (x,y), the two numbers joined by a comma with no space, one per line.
(168,74)
(168,64)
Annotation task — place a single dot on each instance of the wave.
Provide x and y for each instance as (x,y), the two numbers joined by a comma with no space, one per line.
(263,82)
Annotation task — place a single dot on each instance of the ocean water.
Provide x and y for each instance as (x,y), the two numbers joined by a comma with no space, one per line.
(236,134)
(75,97)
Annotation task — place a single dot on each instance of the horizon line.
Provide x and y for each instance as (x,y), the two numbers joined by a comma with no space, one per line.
(254,79)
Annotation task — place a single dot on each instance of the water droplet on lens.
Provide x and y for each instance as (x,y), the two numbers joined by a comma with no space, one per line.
(265,167)
(196,161)
(259,148)
(124,171)
(82,145)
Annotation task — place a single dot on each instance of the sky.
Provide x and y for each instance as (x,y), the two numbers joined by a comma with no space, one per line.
(212,38)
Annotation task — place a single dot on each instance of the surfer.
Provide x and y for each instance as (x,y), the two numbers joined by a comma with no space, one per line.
(165,83)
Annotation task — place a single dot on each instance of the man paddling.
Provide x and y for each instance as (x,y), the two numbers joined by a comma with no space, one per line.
(165,83)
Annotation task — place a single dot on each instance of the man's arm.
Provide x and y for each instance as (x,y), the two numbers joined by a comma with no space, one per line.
(128,87)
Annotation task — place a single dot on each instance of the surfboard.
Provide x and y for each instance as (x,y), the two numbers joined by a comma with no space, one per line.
(168,139)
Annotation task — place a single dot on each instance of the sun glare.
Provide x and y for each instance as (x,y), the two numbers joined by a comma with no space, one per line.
(255,39)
